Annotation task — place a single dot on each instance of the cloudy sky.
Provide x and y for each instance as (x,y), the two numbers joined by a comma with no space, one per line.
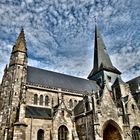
(60,33)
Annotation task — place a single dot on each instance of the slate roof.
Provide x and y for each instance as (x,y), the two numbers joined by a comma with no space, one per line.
(58,80)
(102,60)
(133,84)
(37,112)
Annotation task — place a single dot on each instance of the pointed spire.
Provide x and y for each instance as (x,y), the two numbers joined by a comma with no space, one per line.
(20,43)
(101,57)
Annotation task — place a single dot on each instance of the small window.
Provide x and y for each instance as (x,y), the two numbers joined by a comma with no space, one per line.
(70,103)
(109,78)
(75,102)
(136,133)
(46,100)
(40,134)
(133,106)
(87,106)
(41,100)
(35,99)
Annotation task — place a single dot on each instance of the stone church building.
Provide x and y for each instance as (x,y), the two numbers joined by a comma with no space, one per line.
(37,104)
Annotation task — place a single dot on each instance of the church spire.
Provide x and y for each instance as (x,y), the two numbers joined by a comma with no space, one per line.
(101,58)
(19,51)
(20,43)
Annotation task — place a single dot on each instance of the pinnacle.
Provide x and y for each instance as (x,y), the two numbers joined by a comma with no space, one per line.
(20,44)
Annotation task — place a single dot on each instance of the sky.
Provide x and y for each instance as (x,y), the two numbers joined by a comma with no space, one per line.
(60,33)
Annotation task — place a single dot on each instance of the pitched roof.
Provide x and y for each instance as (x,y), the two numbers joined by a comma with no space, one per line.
(134,83)
(37,112)
(101,57)
(58,80)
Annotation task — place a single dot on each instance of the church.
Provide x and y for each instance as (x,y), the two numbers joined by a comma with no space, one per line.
(38,104)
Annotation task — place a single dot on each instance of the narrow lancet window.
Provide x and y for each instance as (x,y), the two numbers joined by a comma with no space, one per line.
(41,100)
(35,99)
(46,100)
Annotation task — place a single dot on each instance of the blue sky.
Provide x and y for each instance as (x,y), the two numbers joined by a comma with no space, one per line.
(60,33)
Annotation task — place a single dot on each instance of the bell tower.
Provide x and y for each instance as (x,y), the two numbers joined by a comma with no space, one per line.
(103,70)
(13,85)
(18,65)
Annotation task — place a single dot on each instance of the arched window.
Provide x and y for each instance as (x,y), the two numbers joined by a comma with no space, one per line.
(70,103)
(35,99)
(136,133)
(46,100)
(75,102)
(41,100)
(40,134)
(62,133)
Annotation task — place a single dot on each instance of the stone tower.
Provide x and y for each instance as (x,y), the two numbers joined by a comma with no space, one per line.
(103,70)
(13,85)
(111,101)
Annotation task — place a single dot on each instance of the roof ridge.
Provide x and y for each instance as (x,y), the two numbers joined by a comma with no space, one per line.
(133,79)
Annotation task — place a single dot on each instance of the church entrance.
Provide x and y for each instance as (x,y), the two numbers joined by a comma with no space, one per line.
(62,133)
(111,133)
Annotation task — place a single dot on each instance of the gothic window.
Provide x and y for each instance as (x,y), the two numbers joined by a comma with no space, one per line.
(117,95)
(46,100)
(40,134)
(136,133)
(41,100)
(70,103)
(87,106)
(62,133)
(75,102)
(35,99)
(86,103)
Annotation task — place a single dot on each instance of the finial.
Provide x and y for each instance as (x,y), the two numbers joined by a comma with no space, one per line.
(95,19)
(22,28)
